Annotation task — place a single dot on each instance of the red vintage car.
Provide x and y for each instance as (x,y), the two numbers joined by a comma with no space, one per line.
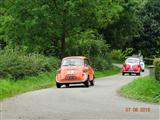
(75,70)
(131,65)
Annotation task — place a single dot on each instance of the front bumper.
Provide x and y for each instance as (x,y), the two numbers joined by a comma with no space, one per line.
(131,71)
(71,81)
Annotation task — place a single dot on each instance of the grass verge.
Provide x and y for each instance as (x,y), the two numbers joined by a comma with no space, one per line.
(144,88)
(113,70)
(9,88)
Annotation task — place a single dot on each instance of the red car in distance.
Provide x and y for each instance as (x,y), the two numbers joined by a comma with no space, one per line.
(131,66)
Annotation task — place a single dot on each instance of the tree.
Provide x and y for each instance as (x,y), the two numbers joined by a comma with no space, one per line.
(149,40)
(128,25)
(44,25)
(26,23)
(69,15)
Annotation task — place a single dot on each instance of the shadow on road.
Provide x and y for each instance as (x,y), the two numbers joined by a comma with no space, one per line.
(73,86)
(130,75)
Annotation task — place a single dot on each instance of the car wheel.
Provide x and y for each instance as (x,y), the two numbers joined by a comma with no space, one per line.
(123,73)
(58,85)
(67,85)
(92,82)
(138,74)
(86,83)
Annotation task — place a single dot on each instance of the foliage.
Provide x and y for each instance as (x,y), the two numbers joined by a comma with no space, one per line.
(149,39)
(9,88)
(70,27)
(137,27)
(87,42)
(127,52)
(144,88)
(15,63)
(91,45)
(117,54)
(121,31)
(149,61)
(26,23)
(107,11)
(157,68)
(101,63)
(43,25)
(120,55)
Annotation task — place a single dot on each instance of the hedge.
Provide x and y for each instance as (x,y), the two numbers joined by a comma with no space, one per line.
(157,68)
(149,61)
(16,63)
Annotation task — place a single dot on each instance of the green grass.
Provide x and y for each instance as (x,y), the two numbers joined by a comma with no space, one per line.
(144,88)
(9,88)
(108,72)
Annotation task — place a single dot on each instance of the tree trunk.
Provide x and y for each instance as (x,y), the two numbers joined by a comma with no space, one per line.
(63,45)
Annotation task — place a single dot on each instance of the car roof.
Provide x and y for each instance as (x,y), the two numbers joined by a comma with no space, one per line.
(133,58)
(81,57)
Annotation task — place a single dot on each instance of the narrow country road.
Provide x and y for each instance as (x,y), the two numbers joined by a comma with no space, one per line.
(100,102)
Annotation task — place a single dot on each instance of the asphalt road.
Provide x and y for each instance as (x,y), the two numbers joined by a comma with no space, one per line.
(100,102)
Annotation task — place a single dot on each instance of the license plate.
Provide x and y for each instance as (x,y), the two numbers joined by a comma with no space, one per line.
(71,77)
(130,70)
(70,72)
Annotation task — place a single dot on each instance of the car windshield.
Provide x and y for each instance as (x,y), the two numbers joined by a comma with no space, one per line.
(72,62)
(132,61)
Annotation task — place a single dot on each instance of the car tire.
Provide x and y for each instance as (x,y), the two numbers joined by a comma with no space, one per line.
(86,83)
(123,73)
(92,82)
(138,74)
(67,85)
(58,85)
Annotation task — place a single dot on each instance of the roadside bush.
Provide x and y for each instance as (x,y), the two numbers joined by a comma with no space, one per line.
(120,55)
(127,52)
(149,61)
(157,68)
(116,54)
(15,63)
(100,63)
